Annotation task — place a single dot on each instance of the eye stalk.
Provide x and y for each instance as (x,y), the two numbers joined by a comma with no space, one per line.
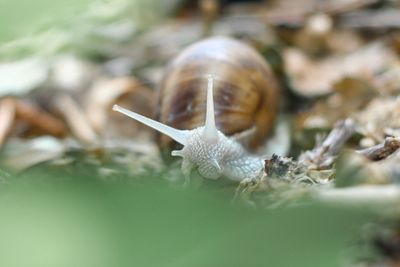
(210,132)
(179,136)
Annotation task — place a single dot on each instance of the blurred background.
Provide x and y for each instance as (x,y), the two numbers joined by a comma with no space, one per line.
(83,186)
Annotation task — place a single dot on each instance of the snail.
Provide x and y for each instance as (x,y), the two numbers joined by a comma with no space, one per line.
(246,91)
(207,148)
(214,145)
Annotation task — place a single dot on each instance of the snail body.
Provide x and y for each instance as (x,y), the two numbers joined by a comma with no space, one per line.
(207,148)
(245,90)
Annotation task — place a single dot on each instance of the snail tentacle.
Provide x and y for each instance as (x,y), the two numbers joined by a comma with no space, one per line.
(179,136)
(210,131)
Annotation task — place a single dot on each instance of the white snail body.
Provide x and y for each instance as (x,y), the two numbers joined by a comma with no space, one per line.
(206,148)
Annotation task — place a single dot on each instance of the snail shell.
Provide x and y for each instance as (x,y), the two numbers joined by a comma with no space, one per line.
(246,92)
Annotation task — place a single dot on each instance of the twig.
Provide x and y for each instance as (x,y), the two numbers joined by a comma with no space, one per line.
(381,151)
(323,155)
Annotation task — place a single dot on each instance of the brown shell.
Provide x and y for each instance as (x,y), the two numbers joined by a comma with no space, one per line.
(245,90)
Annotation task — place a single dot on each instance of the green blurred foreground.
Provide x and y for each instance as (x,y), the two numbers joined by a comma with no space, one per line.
(80,221)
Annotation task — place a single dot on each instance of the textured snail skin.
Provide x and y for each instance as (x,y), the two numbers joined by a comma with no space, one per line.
(226,157)
(246,91)
(206,148)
